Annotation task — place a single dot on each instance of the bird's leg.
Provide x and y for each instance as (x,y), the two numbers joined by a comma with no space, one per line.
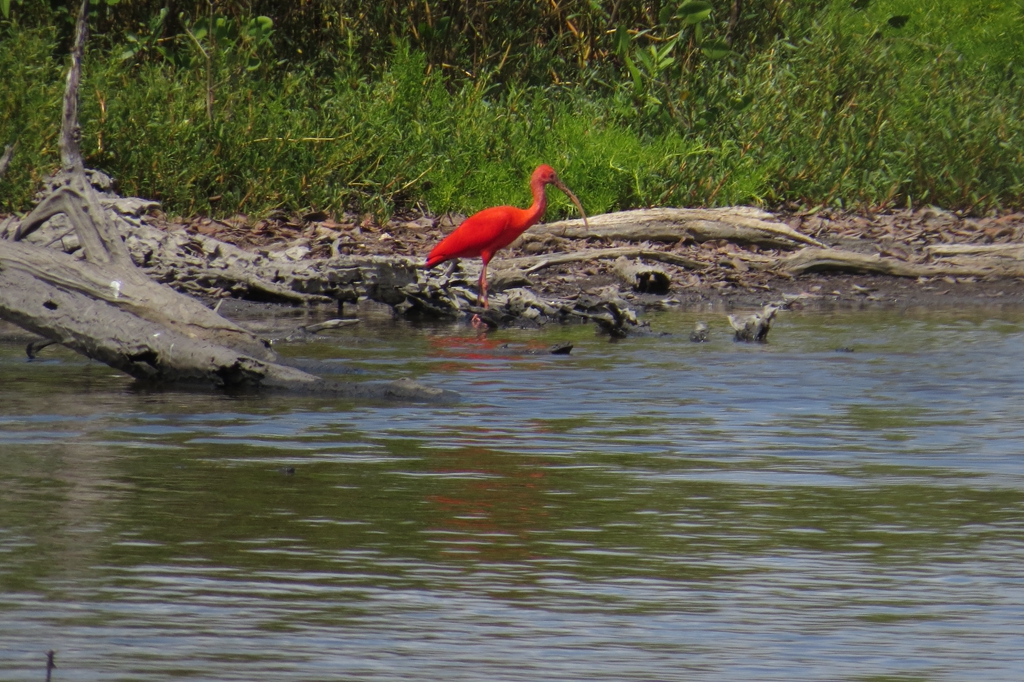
(477,323)
(483,284)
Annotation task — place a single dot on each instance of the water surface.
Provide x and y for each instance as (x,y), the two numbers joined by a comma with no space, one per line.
(649,509)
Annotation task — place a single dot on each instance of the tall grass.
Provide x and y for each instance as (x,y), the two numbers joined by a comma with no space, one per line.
(843,109)
(308,143)
(861,113)
(30,101)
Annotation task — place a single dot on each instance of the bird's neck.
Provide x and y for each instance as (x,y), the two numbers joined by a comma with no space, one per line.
(539,205)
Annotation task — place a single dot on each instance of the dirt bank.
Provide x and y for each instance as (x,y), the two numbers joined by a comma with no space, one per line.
(729,274)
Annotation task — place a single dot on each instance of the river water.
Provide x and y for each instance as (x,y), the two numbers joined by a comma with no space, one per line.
(843,503)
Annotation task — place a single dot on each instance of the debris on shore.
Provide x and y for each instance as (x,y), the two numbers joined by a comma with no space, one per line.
(624,264)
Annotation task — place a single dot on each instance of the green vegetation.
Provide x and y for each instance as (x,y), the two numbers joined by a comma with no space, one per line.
(378,106)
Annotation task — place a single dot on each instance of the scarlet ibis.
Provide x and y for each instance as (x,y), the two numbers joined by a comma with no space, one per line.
(484,233)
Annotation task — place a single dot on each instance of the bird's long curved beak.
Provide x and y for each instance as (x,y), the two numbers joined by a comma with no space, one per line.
(561,185)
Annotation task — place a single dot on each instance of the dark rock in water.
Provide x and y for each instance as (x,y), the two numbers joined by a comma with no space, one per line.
(756,326)
(563,348)
(606,308)
(699,333)
(844,349)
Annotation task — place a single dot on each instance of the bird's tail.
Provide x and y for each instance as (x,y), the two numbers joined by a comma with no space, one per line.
(439,254)
(433,260)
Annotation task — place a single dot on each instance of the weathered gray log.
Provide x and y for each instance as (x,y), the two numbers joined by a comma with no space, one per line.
(1008,251)
(151,352)
(203,265)
(507,278)
(78,201)
(103,331)
(736,224)
(641,277)
(530,264)
(127,289)
(837,260)
(104,326)
(113,313)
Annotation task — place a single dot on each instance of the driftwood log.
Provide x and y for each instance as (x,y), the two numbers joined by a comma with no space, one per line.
(104,307)
(1013,252)
(838,260)
(738,224)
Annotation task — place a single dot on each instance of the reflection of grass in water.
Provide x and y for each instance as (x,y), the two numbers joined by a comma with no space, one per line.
(882,419)
(906,332)
(617,426)
(898,618)
(890,472)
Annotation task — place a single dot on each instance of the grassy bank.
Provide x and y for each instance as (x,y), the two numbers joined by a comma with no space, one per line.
(841,107)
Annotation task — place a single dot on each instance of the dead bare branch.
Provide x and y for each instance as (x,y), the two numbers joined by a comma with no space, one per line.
(739,224)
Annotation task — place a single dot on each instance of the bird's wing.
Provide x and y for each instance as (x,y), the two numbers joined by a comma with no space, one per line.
(483,231)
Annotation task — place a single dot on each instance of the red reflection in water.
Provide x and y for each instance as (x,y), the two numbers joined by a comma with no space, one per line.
(491,506)
(480,348)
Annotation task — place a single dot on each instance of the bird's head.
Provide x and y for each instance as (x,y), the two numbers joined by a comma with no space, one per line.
(546,175)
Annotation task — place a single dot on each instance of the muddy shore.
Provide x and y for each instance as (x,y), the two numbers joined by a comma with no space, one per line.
(729,278)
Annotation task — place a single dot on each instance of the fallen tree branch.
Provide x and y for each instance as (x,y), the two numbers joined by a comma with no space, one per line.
(80,203)
(151,352)
(534,263)
(736,224)
(1011,251)
(753,328)
(129,290)
(837,260)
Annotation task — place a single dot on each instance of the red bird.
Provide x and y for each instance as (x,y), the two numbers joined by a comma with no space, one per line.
(484,233)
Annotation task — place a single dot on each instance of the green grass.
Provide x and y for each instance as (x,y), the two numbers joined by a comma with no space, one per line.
(848,111)
(304,143)
(31,87)
(845,118)
(987,33)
